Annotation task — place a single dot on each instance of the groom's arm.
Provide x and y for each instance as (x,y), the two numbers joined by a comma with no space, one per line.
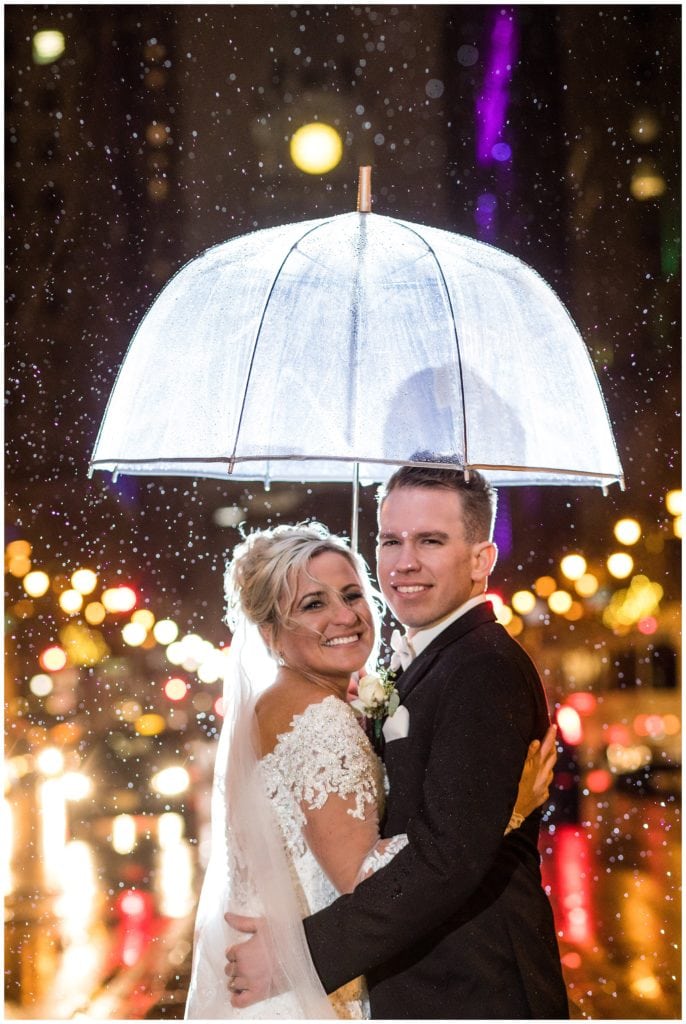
(485,720)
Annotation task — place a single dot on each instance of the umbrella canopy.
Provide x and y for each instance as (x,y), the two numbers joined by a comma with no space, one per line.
(295,352)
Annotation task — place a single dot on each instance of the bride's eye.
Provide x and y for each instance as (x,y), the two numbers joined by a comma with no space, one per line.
(312,605)
(353,595)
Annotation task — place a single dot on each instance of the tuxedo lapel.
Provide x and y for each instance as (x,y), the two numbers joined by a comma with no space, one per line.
(421,665)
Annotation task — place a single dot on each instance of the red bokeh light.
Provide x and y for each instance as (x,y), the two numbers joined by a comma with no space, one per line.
(582,702)
(598,781)
(53,658)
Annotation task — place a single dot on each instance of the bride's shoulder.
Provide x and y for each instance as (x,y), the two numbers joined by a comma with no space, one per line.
(282,712)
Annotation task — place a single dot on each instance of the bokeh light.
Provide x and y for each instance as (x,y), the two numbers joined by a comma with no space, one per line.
(165,632)
(53,658)
(70,601)
(170,781)
(134,634)
(50,761)
(36,583)
(620,565)
(41,685)
(150,724)
(94,613)
(674,500)
(316,148)
(119,599)
(145,618)
(560,602)
(175,688)
(544,586)
(523,601)
(628,531)
(587,585)
(47,46)
(573,566)
(84,580)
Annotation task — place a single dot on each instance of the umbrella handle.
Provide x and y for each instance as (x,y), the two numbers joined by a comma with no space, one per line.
(356,507)
(364,190)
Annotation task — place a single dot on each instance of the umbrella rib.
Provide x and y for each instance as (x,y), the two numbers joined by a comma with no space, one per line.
(373,460)
(291,248)
(412,231)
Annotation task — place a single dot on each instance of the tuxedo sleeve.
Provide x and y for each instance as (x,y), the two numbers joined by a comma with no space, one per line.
(485,717)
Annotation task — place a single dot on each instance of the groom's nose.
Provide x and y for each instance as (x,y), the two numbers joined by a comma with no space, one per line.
(406,561)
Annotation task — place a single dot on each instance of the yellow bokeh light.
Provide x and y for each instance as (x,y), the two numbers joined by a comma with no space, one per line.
(523,601)
(674,500)
(678,527)
(144,617)
(133,634)
(515,626)
(94,613)
(47,46)
(628,531)
(19,565)
(573,566)
(587,585)
(316,148)
(165,631)
(575,611)
(545,585)
(560,602)
(504,615)
(50,761)
(84,580)
(123,833)
(647,183)
(18,549)
(620,565)
(150,725)
(36,583)
(70,601)
(77,785)
(170,781)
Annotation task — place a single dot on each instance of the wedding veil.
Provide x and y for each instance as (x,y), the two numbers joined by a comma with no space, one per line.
(248,872)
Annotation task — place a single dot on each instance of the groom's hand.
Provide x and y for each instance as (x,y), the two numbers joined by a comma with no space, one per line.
(251,967)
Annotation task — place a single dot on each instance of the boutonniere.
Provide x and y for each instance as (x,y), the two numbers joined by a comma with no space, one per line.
(377,699)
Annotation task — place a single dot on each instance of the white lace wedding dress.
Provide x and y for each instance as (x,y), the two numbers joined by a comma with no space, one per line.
(325,752)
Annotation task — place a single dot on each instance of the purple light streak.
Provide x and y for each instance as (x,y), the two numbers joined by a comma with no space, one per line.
(491,106)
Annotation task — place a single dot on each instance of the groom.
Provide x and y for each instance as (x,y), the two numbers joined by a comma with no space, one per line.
(457,926)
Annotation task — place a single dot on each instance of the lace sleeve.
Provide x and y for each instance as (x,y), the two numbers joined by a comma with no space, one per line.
(327,752)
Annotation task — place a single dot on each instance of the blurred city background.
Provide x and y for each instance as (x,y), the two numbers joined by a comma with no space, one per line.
(137,137)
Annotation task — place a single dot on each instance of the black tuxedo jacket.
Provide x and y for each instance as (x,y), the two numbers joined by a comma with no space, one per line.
(457,926)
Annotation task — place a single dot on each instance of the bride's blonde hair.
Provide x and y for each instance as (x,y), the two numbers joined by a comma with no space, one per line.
(261,579)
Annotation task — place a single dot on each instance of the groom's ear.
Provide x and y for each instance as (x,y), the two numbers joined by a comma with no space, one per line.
(484,558)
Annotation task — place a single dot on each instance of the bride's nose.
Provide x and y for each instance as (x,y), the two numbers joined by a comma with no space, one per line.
(344,612)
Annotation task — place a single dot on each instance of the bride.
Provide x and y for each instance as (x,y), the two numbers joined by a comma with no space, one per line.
(298,790)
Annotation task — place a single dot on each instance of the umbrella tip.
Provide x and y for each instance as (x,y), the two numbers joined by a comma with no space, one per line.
(364,190)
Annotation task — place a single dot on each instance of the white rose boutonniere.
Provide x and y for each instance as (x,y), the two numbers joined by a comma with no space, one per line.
(377,699)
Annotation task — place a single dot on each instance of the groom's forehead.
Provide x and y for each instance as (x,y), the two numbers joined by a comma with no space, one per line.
(417,509)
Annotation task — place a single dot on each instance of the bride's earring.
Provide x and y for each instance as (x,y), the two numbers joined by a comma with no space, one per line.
(281,660)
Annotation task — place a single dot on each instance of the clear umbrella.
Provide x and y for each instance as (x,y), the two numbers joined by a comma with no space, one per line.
(306,351)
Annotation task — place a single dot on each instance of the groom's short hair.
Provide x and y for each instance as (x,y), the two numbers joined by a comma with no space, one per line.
(479,499)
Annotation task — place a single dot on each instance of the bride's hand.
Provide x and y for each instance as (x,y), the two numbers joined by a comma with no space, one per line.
(251,967)
(537,775)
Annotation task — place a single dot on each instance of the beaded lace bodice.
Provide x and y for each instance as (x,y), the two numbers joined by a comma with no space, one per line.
(325,752)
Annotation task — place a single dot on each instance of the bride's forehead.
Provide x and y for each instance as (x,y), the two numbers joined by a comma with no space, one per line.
(328,568)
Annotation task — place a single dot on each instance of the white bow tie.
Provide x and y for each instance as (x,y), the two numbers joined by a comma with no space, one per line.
(402,651)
